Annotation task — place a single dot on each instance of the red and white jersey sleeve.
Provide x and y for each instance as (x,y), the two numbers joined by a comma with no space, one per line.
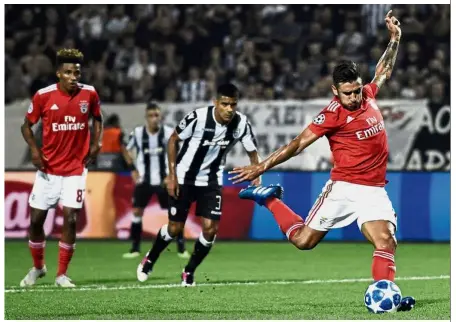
(95,105)
(370,90)
(35,109)
(328,120)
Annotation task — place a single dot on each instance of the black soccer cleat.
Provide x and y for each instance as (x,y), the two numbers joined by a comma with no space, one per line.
(407,303)
(187,279)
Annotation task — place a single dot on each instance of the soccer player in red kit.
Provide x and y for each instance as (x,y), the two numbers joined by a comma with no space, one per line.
(65,109)
(354,126)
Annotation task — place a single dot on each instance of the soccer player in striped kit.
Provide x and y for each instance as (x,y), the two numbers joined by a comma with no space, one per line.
(150,173)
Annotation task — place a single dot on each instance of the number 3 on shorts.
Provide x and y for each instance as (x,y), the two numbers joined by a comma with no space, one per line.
(219,202)
(79,195)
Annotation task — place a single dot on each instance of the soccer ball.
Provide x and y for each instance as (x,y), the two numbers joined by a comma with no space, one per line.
(382,296)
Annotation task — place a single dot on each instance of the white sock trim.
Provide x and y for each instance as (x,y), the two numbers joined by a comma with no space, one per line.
(164,233)
(136,219)
(204,241)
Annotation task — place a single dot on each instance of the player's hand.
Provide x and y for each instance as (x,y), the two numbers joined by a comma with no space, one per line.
(393,26)
(135,176)
(93,152)
(165,182)
(247,173)
(38,159)
(173,187)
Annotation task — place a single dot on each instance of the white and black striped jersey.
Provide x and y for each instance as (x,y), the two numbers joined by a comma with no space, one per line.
(151,153)
(206,143)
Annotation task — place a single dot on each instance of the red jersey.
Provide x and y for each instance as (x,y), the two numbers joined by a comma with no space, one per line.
(65,119)
(357,139)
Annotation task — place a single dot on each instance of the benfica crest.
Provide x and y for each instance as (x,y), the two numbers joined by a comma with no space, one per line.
(84,106)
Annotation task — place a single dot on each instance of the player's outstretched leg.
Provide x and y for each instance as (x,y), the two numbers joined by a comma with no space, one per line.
(181,251)
(381,233)
(135,233)
(202,247)
(66,246)
(37,244)
(291,224)
(164,236)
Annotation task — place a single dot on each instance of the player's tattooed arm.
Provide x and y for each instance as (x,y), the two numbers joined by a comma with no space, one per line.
(386,63)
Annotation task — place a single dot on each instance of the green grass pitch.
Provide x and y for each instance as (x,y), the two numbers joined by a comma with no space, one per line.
(236,281)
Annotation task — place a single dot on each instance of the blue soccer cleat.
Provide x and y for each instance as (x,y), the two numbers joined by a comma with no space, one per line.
(260,194)
(407,303)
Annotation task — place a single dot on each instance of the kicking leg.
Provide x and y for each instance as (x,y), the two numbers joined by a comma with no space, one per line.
(67,245)
(292,225)
(37,244)
(202,247)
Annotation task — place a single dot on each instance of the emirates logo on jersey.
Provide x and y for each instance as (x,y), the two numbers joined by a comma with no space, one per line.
(320,119)
(69,125)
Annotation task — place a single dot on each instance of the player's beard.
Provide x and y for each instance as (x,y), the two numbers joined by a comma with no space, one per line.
(353,106)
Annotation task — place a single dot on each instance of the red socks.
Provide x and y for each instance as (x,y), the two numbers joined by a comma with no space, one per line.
(383,266)
(65,253)
(288,221)
(37,251)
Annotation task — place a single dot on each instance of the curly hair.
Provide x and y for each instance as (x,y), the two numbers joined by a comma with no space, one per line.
(69,55)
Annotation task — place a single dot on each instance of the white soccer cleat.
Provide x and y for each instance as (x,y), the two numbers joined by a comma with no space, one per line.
(63,281)
(140,273)
(131,255)
(184,255)
(32,276)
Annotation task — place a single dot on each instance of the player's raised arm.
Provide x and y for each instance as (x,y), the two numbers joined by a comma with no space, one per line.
(386,63)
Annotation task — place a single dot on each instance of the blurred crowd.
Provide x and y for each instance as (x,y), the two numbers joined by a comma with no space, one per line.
(179,53)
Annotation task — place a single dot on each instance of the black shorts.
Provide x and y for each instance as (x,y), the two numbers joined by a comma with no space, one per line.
(208,202)
(143,192)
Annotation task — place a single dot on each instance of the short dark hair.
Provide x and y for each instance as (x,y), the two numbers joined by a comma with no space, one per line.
(345,72)
(228,90)
(112,120)
(152,106)
(67,55)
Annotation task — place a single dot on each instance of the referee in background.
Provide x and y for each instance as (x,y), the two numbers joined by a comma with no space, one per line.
(150,173)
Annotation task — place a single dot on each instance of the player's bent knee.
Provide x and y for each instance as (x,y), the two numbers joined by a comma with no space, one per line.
(210,229)
(175,228)
(385,241)
(303,243)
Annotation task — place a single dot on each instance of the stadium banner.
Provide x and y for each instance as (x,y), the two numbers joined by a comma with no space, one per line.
(418,135)
(421,200)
